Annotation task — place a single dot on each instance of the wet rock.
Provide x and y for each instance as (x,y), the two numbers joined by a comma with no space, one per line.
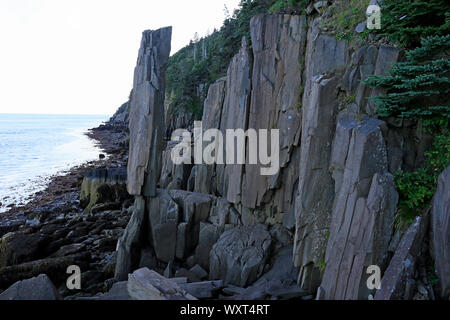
(102,186)
(240,255)
(18,247)
(69,249)
(38,288)
(55,268)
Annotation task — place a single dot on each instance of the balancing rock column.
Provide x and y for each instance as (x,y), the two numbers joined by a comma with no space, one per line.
(147,129)
(147,125)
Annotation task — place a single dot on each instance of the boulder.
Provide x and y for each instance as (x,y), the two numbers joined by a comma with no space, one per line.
(38,288)
(18,247)
(240,255)
(55,268)
(440,230)
(146,119)
(282,268)
(102,186)
(145,284)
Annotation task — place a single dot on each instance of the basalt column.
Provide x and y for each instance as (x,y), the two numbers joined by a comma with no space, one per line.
(147,113)
(147,129)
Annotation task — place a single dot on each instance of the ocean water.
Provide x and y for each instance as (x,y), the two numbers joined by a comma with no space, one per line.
(35,147)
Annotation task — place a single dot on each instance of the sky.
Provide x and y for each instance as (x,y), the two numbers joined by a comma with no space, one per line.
(78,56)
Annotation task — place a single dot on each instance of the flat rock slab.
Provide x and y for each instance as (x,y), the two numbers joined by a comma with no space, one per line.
(203,290)
(146,284)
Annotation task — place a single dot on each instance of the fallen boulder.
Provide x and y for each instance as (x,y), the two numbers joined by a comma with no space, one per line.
(37,288)
(240,255)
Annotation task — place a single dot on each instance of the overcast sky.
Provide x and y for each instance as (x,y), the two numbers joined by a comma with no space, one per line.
(78,56)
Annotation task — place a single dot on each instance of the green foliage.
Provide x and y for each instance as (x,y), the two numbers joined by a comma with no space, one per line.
(417,188)
(344,16)
(407,21)
(282,6)
(432,276)
(419,88)
(191,70)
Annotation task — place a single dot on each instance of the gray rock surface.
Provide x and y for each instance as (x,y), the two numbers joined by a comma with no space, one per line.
(363,213)
(38,288)
(316,185)
(235,116)
(440,230)
(401,270)
(240,255)
(119,291)
(147,113)
(203,290)
(129,245)
(278,47)
(163,222)
(145,284)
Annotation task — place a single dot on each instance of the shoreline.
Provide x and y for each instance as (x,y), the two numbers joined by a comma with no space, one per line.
(69,180)
(52,231)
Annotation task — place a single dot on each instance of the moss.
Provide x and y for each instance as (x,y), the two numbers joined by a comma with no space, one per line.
(322,265)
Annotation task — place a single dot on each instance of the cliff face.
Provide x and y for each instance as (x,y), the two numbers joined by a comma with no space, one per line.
(332,204)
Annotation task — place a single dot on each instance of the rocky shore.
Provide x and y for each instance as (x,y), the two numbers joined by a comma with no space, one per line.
(54,231)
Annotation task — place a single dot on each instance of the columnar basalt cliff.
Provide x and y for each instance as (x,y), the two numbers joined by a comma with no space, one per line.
(328,214)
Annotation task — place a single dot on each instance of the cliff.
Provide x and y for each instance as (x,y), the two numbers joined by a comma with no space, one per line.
(329,213)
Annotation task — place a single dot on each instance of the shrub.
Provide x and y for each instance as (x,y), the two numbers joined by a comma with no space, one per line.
(419,88)
(417,188)
(407,21)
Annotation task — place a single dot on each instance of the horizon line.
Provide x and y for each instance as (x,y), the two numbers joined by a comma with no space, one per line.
(56,114)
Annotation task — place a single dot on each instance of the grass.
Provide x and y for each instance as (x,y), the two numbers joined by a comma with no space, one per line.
(345,15)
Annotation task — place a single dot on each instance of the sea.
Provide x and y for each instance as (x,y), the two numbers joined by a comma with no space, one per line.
(34,147)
